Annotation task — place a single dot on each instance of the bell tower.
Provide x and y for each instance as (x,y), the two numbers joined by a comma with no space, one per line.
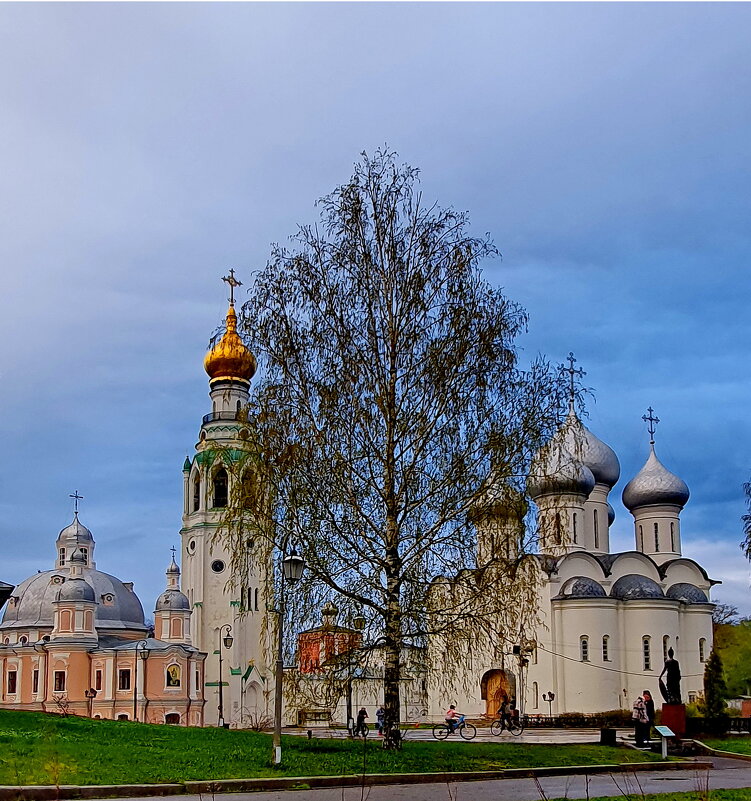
(218,594)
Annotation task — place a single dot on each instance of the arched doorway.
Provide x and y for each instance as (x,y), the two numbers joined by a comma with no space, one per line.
(497,686)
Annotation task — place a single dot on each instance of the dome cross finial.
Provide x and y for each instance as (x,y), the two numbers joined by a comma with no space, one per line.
(572,375)
(233,282)
(651,422)
(76,498)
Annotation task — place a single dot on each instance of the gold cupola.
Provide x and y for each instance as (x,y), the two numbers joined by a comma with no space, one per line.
(230,359)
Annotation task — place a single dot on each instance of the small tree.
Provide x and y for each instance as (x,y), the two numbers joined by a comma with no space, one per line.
(389,387)
(746,519)
(715,690)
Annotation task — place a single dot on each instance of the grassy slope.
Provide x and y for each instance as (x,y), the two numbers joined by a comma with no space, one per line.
(738,745)
(46,749)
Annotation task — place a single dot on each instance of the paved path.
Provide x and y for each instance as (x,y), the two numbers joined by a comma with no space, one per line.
(727,774)
(532,735)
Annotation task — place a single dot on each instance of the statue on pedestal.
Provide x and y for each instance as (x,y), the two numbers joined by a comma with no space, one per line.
(671,687)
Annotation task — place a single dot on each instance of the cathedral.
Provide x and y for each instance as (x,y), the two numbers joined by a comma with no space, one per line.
(75,638)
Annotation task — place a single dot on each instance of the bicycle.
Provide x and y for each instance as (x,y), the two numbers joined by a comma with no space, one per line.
(362,731)
(516,727)
(467,731)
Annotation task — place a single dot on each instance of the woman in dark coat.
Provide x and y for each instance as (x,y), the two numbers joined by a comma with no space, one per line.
(650,708)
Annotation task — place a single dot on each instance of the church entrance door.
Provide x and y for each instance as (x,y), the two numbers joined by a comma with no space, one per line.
(497,686)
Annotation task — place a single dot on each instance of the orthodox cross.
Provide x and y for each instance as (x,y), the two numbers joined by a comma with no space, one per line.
(76,498)
(651,422)
(233,282)
(572,373)
(174,551)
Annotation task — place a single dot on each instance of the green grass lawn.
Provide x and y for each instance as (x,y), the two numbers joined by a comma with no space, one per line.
(46,749)
(740,744)
(715,795)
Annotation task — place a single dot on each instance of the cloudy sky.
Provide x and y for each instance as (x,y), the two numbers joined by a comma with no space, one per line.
(145,149)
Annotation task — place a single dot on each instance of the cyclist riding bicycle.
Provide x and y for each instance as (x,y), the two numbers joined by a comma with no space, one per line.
(452,717)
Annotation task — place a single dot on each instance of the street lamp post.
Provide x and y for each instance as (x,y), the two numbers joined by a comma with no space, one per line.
(141,650)
(292,568)
(359,624)
(549,697)
(228,640)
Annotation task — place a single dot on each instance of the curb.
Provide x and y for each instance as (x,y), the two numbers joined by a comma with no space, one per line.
(717,752)
(53,793)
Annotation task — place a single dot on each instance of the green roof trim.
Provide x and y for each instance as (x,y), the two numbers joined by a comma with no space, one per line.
(186,465)
(216,683)
(234,603)
(235,671)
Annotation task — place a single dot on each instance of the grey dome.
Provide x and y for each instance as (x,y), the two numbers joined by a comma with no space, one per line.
(611,515)
(593,452)
(688,593)
(499,499)
(654,484)
(76,589)
(555,471)
(76,532)
(172,599)
(34,608)
(582,587)
(632,587)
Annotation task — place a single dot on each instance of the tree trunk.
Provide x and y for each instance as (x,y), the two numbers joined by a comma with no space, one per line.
(392,670)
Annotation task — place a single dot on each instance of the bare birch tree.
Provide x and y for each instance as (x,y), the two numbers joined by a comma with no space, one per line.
(389,385)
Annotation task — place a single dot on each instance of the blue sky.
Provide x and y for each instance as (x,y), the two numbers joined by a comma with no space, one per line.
(146,148)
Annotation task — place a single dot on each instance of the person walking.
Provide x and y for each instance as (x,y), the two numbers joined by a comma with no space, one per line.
(380,714)
(503,714)
(649,705)
(641,721)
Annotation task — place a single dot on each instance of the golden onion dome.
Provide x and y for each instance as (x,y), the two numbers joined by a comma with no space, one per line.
(230,359)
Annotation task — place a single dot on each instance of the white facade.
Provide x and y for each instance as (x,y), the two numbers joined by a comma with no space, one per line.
(607,619)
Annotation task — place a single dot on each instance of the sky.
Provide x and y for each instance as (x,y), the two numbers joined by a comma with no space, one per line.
(147,148)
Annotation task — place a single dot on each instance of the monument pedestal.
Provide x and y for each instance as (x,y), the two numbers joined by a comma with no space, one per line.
(674,717)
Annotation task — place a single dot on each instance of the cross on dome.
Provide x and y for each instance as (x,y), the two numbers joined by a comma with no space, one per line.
(233,282)
(76,498)
(651,422)
(572,375)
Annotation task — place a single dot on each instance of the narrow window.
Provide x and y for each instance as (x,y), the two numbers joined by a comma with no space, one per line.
(665,646)
(176,628)
(123,679)
(239,406)
(606,648)
(702,649)
(647,653)
(641,538)
(557,531)
(255,594)
(62,557)
(535,695)
(220,488)
(88,617)
(672,536)
(657,539)
(249,490)
(197,492)
(597,529)
(584,649)
(576,538)
(35,681)
(58,681)
(12,681)
(65,620)
(85,554)
(198,680)
(98,680)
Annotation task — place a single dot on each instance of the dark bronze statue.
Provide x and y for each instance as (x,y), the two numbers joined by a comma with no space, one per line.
(671,687)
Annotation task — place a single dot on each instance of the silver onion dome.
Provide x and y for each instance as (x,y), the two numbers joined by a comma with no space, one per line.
(556,471)
(76,532)
(592,451)
(654,484)
(172,599)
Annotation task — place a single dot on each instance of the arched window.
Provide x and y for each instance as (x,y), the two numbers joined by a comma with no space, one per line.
(672,536)
(220,488)
(239,406)
(535,695)
(88,620)
(197,492)
(597,528)
(606,648)
(173,678)
(646,648)
(657,538)
(665,646)
(584,648)
(557,529)
(702,649)
(641,539)
(172,719)
(576,538)
(249,490)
